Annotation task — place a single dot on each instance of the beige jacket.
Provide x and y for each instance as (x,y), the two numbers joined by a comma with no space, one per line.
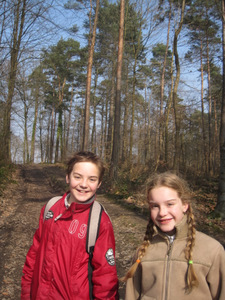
(161,273)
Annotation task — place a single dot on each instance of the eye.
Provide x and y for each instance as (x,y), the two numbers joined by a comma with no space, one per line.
(93,179)
(153,205)
(170,204)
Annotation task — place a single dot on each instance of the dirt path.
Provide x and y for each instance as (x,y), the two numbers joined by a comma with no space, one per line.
(19,213)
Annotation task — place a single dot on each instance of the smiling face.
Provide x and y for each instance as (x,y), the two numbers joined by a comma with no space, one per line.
(83,181)
(166,208)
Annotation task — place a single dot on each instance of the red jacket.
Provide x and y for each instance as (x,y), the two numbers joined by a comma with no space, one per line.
(56,265)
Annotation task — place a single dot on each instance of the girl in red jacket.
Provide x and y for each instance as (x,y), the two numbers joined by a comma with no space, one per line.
(175,261)
(57,265)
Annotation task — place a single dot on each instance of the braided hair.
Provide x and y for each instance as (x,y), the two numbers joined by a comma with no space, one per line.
(175,182)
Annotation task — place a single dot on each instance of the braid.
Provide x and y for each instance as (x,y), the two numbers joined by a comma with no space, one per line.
(192,280)
(141,250)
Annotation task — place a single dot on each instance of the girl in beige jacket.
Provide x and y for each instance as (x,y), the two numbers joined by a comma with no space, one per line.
(175,261)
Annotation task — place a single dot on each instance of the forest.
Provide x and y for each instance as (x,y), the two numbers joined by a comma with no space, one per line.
(140,83)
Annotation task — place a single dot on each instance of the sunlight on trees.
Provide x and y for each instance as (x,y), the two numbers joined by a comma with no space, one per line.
(61,90)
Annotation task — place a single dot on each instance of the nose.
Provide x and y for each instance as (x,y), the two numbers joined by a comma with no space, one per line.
(162,211)
(83,183)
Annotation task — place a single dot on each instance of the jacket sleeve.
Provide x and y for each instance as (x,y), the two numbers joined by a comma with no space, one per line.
(28,268)
(133,285)
(216,275)
(104,276)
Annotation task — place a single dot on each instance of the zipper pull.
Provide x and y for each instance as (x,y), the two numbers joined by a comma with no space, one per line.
(59,216)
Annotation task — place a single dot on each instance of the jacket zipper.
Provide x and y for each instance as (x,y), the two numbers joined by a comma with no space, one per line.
(167,265)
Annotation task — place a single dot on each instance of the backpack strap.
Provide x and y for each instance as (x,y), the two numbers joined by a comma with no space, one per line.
(92,235)
(49,204)
(93,226)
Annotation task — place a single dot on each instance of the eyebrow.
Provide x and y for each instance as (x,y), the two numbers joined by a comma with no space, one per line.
(173,199)
(92,176)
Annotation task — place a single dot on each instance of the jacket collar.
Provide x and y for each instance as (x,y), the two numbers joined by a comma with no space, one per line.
(74,207)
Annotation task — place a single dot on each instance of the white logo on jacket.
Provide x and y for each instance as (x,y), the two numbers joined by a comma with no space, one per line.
(82,230)
(110,257)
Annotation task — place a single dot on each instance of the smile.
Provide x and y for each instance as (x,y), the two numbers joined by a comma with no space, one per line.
(164,221)
(82,192)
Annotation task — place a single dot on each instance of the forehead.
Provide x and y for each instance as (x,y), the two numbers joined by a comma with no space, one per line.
(88,168)
(160,194)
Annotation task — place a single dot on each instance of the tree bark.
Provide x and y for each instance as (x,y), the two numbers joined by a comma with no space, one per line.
(177,118)
(203,112)
(220,207)
(116,133)
(88,88)
(19,19)
(162,119)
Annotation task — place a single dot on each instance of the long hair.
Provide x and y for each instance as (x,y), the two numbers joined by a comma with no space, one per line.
(175,182)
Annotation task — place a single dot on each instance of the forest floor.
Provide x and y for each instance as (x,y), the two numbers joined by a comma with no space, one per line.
(34,185)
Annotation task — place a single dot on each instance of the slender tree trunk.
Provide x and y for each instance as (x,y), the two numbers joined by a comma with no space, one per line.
(149,146)
(176,114)
(52,134)
(215,139)
(162,120)
(69,123)
(220,207)
(109,140)
(203,113)
(136,51)
(125,122)
(169,105)
(93,132)
(116,133)
(40,139)
(19,19)
(132,110)
(210,109)
(26,146)
(34,126)
(88,88)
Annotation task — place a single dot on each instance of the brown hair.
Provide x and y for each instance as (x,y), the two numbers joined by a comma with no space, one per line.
(175,182)
(86,156)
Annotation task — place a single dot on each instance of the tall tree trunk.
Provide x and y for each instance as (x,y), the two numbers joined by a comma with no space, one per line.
(88,88)
(125,121)
(93,132)
(52,132)
(203,112)
(109,140)
(19,19)
(220,207)
(210,108)
(162,119)
(169,105)
(176,114)
(34,125)
(136,52)
(69,123)
(132,111)
(116,133)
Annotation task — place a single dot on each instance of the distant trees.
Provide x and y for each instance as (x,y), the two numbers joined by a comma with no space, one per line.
(18,19)
(163,111)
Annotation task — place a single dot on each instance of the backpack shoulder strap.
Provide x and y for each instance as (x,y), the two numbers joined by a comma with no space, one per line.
(49,204)
(93,226)
(92,235)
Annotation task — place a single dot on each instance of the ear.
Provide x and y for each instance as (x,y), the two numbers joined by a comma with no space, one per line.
(99,184)
(185,207)
(67,179)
